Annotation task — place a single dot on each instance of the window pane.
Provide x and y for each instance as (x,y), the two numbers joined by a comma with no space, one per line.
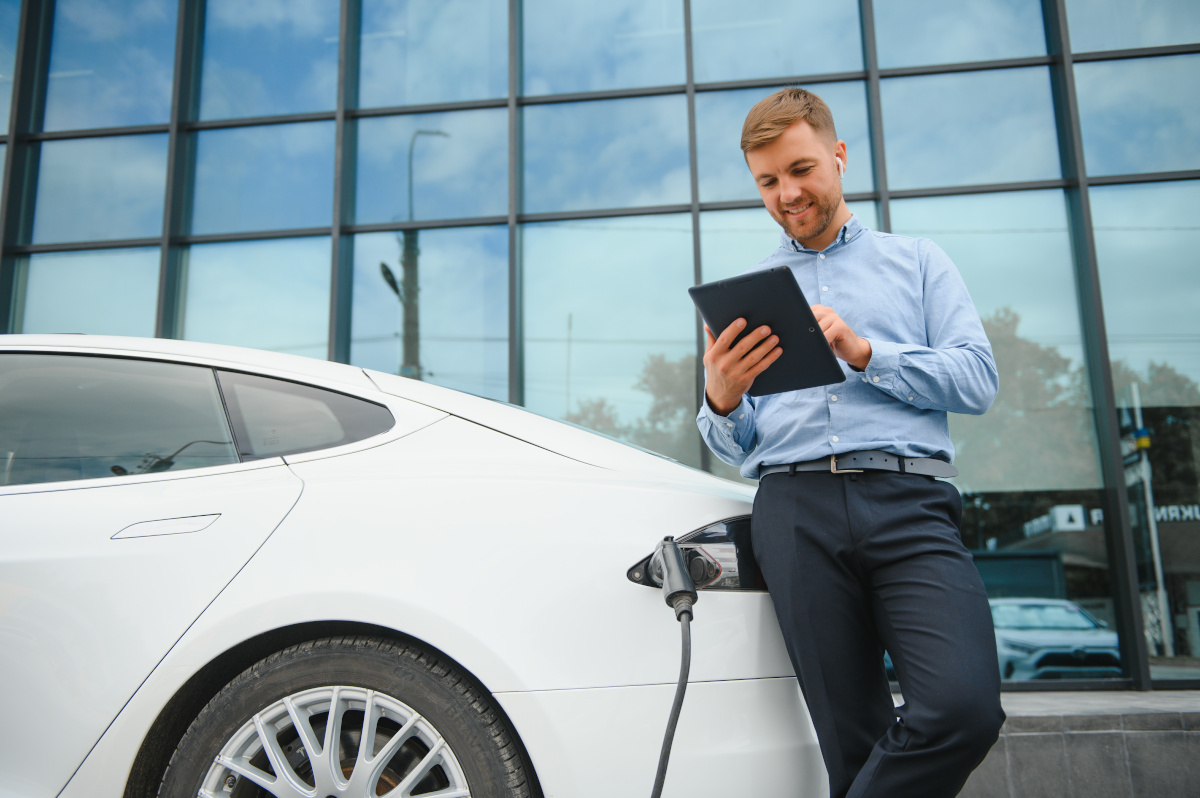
(460,338)
(610,331)
(67,418)
(276,417)
(10,14)
(919,32)
(1121,24)
(100,189)
(111,63)
(578,45)
(1032,503)
(274,177)
(432,51)
(262,294)
(459,166)
(108,292)
(719,118)
(969,128)
(758,39)
(607,154)
(733,241)
(1140,115)
(263,59)
(1146,241)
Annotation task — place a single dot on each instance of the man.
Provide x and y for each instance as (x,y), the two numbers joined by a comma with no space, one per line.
(857,538)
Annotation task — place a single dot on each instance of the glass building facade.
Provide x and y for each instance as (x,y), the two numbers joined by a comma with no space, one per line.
(510,197)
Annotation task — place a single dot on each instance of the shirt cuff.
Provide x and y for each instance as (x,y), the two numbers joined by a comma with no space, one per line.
(733,425)
(884,367)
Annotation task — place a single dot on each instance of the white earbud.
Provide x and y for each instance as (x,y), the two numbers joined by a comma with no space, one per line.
(841,166)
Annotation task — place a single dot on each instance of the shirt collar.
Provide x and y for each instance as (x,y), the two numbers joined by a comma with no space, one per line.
(850,230)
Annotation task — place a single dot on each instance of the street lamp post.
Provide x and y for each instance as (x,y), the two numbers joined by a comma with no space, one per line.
(409,290)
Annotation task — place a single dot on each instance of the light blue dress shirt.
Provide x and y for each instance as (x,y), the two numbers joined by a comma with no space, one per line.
(929,356)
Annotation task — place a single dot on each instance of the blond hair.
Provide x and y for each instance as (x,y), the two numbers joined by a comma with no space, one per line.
(771,116)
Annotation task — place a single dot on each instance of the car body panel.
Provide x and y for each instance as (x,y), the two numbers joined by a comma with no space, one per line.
(70,646)
(735,738)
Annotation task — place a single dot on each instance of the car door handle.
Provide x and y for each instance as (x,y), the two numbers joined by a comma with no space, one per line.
(167,526)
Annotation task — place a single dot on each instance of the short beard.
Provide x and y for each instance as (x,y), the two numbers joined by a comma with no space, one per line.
(824,209)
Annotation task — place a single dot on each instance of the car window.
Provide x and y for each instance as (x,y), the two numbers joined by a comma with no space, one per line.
(68,417)
(276,417)
(1041,616)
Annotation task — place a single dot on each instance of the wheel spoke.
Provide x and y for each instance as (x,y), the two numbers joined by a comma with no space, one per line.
(279,763)
(264,780)
(404,788)
(376,765)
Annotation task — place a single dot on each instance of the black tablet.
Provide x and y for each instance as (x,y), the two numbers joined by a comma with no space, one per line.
(773,298)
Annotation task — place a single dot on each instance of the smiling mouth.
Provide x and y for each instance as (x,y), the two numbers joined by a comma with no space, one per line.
(797,211)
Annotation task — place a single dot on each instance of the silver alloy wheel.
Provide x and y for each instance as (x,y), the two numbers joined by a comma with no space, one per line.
(309,745)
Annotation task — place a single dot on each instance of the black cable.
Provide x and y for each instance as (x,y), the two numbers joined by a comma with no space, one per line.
(684,614)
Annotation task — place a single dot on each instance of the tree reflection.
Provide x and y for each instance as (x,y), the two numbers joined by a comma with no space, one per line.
(669,425)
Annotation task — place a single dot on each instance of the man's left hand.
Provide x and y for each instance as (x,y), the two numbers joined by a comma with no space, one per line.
(842,340)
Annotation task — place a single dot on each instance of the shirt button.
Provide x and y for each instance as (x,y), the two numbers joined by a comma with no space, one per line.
(834,439)
(910,398)
(824,288)
(875,379)
(834,398)
(741,415)
(864,379)
(821,256)
(729,423)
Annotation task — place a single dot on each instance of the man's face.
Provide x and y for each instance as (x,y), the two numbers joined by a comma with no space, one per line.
(798,179)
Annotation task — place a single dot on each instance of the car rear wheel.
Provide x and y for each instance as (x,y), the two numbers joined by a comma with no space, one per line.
(358,717)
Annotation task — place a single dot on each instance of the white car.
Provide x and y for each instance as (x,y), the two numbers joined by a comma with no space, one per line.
(222,569)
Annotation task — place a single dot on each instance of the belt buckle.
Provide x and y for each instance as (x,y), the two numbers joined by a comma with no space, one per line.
(833,469)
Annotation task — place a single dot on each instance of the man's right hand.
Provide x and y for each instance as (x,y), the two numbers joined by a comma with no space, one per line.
(731,369)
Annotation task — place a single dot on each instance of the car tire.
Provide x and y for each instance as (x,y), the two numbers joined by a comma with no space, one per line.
(434,730)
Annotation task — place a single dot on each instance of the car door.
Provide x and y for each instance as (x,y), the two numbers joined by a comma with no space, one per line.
(124,510)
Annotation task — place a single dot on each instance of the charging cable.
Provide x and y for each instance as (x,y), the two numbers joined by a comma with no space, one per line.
(680,594)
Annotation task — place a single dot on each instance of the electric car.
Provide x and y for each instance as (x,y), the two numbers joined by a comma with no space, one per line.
(226,572)
(1052,639)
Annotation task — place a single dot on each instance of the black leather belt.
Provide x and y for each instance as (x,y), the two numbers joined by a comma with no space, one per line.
(870,460)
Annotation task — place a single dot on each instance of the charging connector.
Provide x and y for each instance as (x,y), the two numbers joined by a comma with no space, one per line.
(679,592)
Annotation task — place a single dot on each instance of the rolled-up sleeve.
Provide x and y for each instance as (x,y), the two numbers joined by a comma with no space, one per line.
(730,437)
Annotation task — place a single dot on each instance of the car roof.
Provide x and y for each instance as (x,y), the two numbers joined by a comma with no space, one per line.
(231,356)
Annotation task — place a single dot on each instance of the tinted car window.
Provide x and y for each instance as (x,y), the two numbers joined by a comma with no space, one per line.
(65,417)
(275,417)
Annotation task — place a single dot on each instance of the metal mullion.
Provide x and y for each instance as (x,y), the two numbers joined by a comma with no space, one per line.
(429,224)
(978,188)
(189,34)
(965,66)
(516,304)
(257,235)
(426,108)
(341,288)
(1119,540)
(82,246)
(866,12)
(694,177)
(99,132)
(260,121)
(1145,177)
(31,67)
(1136,52)
(610,94)
(786,80)
(602,213)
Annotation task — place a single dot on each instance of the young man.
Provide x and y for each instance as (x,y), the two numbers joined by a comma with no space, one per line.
(857,538)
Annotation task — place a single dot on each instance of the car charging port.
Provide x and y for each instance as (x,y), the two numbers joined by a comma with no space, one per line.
(679,592)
